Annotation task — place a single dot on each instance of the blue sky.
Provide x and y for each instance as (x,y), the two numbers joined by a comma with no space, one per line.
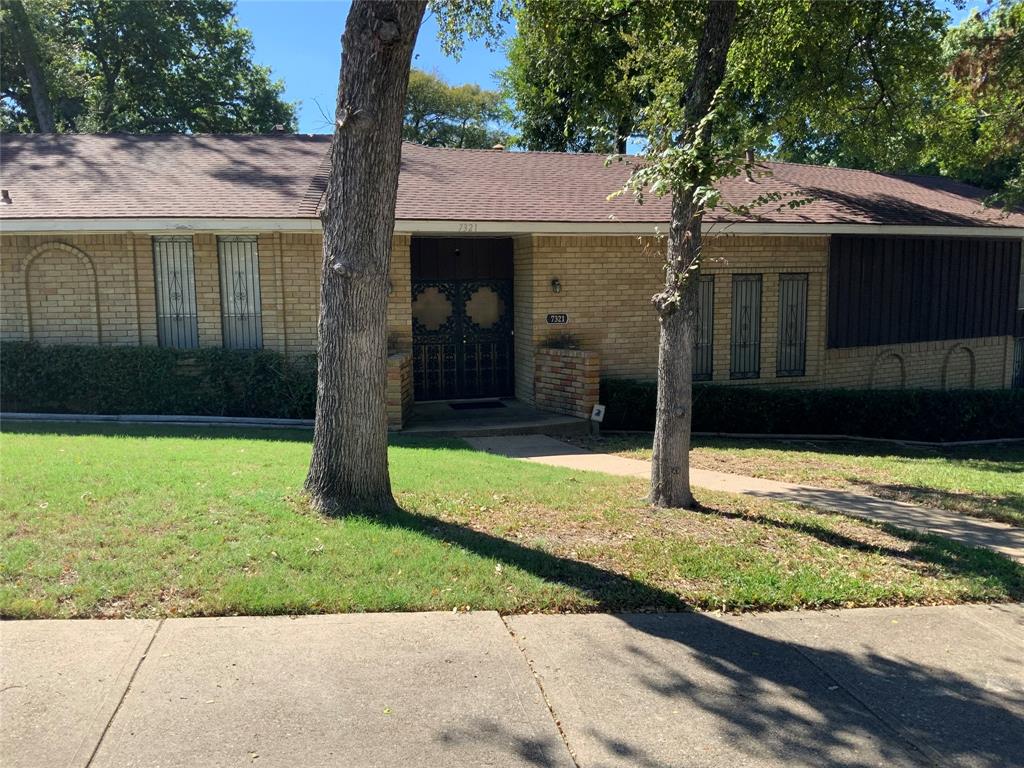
(301,41)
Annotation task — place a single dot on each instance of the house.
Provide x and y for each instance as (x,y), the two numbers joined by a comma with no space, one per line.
(879,281)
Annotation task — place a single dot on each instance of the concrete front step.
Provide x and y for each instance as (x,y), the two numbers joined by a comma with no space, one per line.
(563,426)
(491,418)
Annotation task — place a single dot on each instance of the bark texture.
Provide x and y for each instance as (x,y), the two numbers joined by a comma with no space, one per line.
(349,468)
(28,48)
(678,305)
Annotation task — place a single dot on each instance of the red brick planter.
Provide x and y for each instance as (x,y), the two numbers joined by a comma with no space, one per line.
(566,381)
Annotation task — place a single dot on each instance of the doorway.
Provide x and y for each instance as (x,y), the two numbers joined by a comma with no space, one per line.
(462,321)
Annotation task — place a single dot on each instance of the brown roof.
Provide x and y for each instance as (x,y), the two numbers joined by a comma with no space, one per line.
(282,176)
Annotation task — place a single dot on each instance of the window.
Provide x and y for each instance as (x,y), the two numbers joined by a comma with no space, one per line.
(241,320)
(177,323)
(1020,284)
(745,349)
(1018,364)
(792,353)
(704,352)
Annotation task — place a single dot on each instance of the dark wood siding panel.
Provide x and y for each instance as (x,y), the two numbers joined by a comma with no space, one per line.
(890,290)
(461,258)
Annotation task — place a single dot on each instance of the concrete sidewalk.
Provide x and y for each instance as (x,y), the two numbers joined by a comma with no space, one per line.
(968,530)
(857,688)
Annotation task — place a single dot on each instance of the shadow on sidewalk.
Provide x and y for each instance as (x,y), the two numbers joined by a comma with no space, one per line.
(959,718)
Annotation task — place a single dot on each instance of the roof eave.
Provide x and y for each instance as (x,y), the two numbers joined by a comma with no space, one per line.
(12,225)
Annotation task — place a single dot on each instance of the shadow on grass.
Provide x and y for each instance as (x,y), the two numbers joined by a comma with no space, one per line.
(954,558)
(1006,507)
(770,700)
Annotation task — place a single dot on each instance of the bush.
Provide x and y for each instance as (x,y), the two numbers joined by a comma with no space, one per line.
(913,414)
(151,380)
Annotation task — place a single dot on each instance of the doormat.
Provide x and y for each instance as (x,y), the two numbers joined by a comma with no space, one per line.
(476,405)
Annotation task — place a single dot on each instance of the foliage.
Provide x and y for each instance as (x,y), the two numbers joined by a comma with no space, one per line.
(802,76)
(129,520)
(572,97)
(142,66)
(899,414)
(561,341)
(439,114)
(153,380)
(977,131)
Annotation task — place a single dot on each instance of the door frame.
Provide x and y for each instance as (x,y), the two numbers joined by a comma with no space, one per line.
(456,265)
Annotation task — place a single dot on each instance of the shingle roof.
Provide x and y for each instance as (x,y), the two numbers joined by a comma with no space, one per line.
(283,176)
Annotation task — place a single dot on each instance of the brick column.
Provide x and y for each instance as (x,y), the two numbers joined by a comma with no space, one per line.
(399,389)
(207,271)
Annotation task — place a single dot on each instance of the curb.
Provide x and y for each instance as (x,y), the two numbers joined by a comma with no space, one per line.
(190,421)
(249,421)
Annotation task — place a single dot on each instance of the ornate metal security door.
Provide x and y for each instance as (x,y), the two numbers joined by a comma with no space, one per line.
(462,339)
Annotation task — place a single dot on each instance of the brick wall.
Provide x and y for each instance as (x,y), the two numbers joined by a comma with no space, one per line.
(88,289)
(770,257)
(959,364)
(302,257)
(69,289)
(100,288)
(607,283)
(207,273)
(272,306)
(566,381)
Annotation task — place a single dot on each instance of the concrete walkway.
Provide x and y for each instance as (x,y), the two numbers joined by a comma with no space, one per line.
(968,530)
(857,688)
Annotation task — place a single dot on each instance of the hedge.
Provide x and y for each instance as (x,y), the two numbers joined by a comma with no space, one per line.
(912,414)
(222,382)
(151,380)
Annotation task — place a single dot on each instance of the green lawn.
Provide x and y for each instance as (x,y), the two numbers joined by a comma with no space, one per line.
(122,521)
(983,481)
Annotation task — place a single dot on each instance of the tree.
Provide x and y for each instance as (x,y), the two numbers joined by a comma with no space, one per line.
(22,37)
(139,66)
(349,467)
(571,97)
(442,115)
(708,80)
(976,132)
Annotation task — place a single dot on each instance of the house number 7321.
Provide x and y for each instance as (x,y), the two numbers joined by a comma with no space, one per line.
(468,226)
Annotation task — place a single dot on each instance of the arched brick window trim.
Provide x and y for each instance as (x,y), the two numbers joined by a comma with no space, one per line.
(83,259)
(882,358)
(949,357)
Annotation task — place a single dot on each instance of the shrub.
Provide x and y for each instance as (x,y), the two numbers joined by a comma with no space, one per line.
(151,380)
(913,414)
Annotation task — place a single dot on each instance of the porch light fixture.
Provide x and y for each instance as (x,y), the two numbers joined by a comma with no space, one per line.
(5,197)
(556,285)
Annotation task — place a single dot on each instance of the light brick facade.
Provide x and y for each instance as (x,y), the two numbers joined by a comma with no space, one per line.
(99,288)
(958,364)
(89,289)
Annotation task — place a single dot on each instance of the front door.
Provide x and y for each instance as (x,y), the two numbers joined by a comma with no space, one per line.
(462,318)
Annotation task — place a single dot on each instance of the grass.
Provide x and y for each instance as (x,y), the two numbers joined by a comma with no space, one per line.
(982,481)
(132,521)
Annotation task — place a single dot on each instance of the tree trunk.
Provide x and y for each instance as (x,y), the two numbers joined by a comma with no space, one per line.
(678,304)
(28,47)
(349,468)
(670,461)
